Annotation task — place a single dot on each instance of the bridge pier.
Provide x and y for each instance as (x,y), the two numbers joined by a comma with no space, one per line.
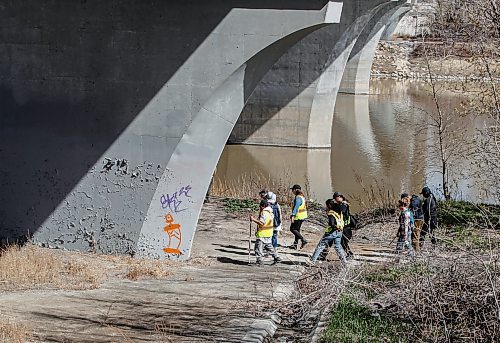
(115,127)
(356,76)
(293,104)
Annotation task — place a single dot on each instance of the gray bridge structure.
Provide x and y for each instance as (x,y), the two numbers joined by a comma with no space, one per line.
(114,114)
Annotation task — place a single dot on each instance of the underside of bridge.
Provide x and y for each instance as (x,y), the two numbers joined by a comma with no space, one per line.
(114,114)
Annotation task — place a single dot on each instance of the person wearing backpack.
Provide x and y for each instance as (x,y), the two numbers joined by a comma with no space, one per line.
(349,224)
(418,217)
(430,215)
(406,224)
(333,232)
(347,232)
(273,203)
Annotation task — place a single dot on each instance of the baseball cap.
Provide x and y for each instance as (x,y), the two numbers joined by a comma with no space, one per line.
(426,190)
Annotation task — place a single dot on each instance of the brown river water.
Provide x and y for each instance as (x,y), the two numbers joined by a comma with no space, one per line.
(378,140)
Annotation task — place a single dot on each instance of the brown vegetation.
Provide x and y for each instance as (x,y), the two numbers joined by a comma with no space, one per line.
(31,267)
(13,332)
(247,186)
(147,268)
(449,293)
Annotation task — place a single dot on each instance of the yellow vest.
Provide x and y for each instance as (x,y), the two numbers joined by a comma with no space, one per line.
(339,219)
(302,211)
(266,230)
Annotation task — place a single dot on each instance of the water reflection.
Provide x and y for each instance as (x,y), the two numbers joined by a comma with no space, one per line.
(373,136)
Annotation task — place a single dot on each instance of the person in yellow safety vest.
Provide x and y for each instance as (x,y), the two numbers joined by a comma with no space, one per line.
(333,232)
(299,214)
(264,233)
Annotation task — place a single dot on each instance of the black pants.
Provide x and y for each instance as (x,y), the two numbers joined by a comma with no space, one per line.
(295,229)
(346,237)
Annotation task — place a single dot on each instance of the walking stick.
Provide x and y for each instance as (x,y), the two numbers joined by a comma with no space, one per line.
(249,242)
(390,244)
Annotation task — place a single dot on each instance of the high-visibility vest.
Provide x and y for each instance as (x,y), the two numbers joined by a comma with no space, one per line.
(266,230)
(339,219)
(302,211)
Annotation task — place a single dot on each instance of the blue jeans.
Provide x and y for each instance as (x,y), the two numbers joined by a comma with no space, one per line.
(334,236)
(404,245)
(275,239)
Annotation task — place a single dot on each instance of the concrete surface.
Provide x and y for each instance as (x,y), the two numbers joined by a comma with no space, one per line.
(357,72)
(216,298)
(114,114)
(293,104)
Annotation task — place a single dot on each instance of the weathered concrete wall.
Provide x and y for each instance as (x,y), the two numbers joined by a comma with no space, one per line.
(95,97)
(114,114)
(293,105)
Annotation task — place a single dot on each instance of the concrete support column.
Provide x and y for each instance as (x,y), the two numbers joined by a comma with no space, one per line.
(170,223)
(356,77)
(393,24)
(294,103)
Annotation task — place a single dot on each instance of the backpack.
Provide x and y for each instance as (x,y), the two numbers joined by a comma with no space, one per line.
(276,213)
(353,222)
(416,207)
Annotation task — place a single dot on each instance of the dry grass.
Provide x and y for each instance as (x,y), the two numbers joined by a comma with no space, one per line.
(13,332)
(31,267)
(80,275)
(247,186)
(144,268)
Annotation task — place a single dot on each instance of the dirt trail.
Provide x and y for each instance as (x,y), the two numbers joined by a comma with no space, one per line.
(204,300)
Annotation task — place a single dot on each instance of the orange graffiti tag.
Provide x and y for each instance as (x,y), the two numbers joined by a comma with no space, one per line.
(174,232)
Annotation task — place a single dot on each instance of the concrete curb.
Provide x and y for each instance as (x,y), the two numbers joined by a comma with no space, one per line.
(322,323)
(261,329)
(264,328)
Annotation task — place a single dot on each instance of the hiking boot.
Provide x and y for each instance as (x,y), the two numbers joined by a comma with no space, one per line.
(303,244)
(276,260)
(293,246)
(258,264)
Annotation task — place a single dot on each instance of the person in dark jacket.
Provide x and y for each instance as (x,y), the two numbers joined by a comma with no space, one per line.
(347,232)
(333,232)
(429,208)
(418,217)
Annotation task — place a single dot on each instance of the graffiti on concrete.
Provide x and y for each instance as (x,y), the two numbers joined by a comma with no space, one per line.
(174,201)
(174,236)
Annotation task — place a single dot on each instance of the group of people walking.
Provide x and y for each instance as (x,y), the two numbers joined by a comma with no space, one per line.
(417,219)
(269,223)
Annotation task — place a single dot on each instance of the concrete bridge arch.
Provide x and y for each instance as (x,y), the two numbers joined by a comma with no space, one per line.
(151,165)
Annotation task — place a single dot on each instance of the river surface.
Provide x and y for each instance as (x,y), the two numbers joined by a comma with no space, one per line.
(380,142)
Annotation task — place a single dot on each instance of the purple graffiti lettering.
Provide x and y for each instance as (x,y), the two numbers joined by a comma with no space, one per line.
(172,203)
(185,190)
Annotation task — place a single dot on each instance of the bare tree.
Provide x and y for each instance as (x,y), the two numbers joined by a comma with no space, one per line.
(468,31)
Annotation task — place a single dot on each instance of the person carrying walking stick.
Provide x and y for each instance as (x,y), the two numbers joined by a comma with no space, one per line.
(406,224)
(264,233)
